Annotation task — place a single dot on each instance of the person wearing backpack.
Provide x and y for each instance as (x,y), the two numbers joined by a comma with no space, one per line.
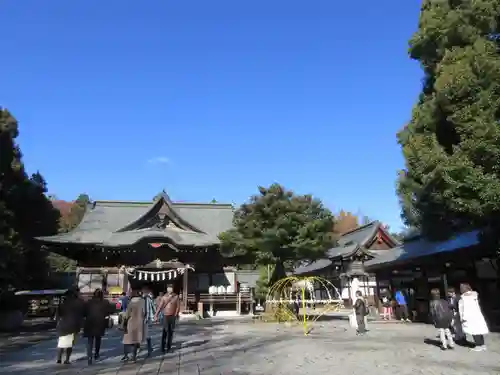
(442,316)
(361,311)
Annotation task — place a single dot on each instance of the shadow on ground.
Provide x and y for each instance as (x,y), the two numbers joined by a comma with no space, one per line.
(40,359)
(437,342)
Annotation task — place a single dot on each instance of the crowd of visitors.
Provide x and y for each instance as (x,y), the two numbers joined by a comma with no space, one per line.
(455,316)
(139,311)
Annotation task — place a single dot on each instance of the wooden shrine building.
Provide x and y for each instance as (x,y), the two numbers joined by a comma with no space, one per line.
(418,265)
(346,261)
(121,243)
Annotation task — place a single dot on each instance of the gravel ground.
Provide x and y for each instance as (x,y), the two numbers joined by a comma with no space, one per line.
(244,348)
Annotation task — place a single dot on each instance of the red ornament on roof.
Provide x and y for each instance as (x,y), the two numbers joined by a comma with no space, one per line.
(156,245)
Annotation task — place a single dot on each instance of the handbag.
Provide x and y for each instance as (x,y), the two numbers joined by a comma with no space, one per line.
(122,322)
(109,323)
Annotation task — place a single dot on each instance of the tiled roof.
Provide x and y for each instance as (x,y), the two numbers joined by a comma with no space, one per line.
(248,277)
(361,235)
(349,243)
(115,223)
(420,247)
(312,267)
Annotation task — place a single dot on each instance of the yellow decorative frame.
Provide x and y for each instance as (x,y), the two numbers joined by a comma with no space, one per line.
(280,294)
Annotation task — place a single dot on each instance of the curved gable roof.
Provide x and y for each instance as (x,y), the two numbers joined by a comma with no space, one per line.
(121,223)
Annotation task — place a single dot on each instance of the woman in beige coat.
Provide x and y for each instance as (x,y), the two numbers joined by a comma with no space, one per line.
(133,326)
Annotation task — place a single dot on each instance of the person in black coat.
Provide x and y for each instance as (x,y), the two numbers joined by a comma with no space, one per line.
(97,311)
(70,317)
(442,316)
(361,311)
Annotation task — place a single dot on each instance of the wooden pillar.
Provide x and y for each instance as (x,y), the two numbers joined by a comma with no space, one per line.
(444,277)
(238,303)
(251,302)
(185,290)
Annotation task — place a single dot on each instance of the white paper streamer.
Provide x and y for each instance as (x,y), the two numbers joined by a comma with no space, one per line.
(156,276)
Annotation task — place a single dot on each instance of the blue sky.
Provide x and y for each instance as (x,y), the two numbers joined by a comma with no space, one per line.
(208,99)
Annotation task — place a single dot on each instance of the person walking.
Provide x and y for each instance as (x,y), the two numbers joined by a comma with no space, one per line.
(70,318)
(456,324)
(402,306)
(97,312)
(133,326)
(361,311)
(442,316)
(124,302)
(473,322)
(296,305)
(149,313)
(157,304)
(170,306)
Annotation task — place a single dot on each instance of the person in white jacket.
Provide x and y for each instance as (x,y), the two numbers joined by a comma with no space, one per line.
(473,322)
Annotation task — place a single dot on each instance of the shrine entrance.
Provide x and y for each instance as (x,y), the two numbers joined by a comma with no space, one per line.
(157,275)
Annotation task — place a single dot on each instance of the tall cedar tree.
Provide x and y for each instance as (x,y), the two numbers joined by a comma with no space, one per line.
(452,143)
(279,227)
(25,212)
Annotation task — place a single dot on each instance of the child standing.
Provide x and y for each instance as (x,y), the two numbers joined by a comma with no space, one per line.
(442,315)
(386,306)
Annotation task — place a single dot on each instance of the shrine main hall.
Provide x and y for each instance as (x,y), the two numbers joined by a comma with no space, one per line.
(119,243)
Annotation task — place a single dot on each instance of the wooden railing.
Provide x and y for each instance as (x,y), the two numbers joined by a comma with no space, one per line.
(219,298)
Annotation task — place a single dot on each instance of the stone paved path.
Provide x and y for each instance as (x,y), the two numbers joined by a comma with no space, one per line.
(243,348)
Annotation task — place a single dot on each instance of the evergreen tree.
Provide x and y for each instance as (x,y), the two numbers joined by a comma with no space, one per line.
(263,282)
(9,238)
(452,143)
(25,212)
(279,227)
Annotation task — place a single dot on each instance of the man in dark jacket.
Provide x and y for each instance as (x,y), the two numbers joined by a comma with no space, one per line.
(456,324)
(361,312)
(97,311)
(442,316)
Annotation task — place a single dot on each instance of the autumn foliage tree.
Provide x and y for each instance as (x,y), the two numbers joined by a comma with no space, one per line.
(279,227)
(68,222)
(345,221)
(76,213)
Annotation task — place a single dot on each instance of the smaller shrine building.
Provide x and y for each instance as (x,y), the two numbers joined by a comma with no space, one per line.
(344,265)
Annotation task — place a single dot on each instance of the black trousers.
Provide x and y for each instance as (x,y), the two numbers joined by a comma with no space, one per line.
(168,332)
(91,340)
(403,312)
(478,340)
